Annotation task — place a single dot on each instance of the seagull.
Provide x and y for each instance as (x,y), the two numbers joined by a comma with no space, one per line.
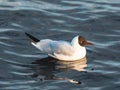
(62,50)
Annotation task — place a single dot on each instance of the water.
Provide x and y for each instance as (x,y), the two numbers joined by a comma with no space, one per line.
(23,67)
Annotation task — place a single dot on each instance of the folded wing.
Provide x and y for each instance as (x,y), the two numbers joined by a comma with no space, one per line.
(51,47)
(62,47)
(55,47)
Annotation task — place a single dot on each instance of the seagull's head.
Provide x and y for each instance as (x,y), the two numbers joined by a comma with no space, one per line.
(83,42)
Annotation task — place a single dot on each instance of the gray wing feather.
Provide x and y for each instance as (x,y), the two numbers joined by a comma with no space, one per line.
(55,47)
(61,47)
(44,45)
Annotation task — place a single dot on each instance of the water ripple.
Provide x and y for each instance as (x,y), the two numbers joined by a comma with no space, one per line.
(20,54)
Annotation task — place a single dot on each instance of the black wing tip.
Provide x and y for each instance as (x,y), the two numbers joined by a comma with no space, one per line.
(26,33)
(34,39)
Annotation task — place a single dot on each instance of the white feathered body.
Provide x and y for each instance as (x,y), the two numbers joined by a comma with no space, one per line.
(62,50)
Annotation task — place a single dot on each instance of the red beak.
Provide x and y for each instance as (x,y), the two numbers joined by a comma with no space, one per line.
(89,43)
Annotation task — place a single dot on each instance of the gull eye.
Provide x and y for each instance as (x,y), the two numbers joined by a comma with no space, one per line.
(82,41)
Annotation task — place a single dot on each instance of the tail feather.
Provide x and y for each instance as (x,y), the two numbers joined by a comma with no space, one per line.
(34,39)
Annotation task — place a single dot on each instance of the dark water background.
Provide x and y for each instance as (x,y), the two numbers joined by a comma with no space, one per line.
(22,66)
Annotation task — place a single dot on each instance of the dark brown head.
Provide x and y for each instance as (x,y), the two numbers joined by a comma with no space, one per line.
(83,42)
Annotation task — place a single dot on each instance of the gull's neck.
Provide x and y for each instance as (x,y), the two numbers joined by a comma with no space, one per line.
(74,42)
(76,45)
(80,51)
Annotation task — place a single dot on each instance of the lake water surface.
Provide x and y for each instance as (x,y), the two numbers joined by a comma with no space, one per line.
(23,67)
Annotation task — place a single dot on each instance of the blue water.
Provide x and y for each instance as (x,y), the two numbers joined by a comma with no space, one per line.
(23,67)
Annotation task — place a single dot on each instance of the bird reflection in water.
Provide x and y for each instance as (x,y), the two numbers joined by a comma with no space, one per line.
(46,68)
